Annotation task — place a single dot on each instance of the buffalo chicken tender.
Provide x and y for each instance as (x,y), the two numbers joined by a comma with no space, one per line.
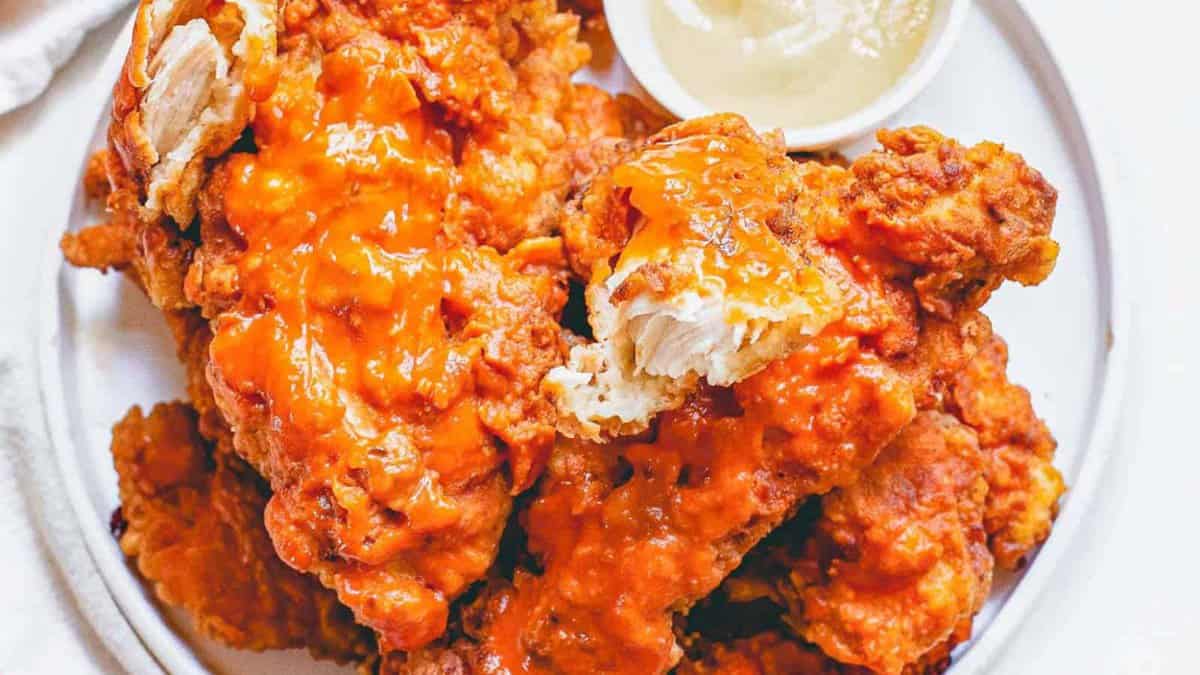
(899,559)
(627,535)
(890,571)
(703,288)
(191,519)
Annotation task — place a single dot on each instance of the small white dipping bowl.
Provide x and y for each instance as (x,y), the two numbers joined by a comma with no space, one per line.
(629,22)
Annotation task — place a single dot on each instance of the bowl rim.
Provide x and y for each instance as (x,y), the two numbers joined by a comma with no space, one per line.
(648,68)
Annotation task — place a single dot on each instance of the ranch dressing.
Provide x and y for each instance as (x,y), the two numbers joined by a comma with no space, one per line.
(789,63)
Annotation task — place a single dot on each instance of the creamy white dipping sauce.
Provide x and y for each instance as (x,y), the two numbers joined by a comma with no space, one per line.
(789,63)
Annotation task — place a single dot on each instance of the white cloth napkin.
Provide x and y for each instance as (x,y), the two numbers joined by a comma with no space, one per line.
(58,616)
(50,576)
(37,36)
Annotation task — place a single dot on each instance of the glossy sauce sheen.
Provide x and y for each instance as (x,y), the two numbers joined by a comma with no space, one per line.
(789,63)
(650,522)
(367,336)
(714,196)
(626,530)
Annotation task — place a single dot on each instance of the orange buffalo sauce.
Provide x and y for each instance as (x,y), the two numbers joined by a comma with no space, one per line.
(341,214)
(369,351)
(631,532)
(714,197)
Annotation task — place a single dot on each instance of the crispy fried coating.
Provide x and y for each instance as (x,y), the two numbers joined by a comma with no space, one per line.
(899,559)
(1024,486)
(628,533)
(154,252)
(106,246)
(382,308)
(193,524)
(968,218)
(1014,513)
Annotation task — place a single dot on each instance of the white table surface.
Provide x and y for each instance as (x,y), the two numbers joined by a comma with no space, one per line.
(1127,601)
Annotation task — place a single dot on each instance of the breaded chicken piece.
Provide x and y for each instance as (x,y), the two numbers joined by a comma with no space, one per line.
(192,522)
(629,533)
(899,559)
(701,290)
(716,274)
(394,438)
(1024,487)
(393,150)
(1014,513)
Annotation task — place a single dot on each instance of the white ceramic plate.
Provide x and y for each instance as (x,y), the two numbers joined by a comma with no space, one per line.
(103,348)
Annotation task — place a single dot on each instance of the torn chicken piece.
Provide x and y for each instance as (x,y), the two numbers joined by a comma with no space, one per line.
(187,90)
(702,289)
(1024,486)
(715,289)
(191,519)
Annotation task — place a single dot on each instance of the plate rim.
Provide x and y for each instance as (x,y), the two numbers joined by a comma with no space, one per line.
(1051,555)
(175,654)
(133,600)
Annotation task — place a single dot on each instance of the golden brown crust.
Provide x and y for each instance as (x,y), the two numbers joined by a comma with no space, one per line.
(967,218)
(899,559)
(1024,486)
(192,519)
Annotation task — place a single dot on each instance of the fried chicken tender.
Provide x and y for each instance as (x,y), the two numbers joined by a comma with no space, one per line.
(676,307)
(630,532)
(377,365)
(800,570)
(382,305)
(899,559)
(1023,485)
(723,267)
(192,518)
